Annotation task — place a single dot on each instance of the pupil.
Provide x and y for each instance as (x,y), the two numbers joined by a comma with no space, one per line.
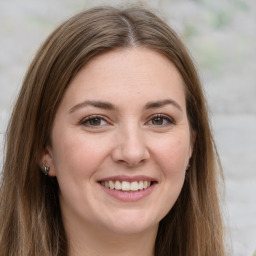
(95,121)
(158,120)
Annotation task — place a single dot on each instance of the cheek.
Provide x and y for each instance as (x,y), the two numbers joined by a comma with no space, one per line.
(174,154)
(172,159)
(76,155)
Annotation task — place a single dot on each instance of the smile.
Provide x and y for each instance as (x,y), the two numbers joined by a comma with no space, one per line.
(127,188)
(126,185)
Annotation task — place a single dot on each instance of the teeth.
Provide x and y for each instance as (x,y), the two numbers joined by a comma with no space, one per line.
(140,185)
(118,185)
(134,186)
(111,184)
(146,184)
(126,185)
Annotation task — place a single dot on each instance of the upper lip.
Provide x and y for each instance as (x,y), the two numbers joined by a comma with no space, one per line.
(128,178)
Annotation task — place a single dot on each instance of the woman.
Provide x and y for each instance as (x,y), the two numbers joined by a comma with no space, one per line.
(109,149)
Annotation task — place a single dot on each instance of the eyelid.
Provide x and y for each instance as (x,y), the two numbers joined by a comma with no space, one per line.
(169,119)
(91,117)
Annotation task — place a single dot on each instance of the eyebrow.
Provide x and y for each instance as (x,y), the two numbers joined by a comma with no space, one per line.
(162,103)
(97,104)
(109,106)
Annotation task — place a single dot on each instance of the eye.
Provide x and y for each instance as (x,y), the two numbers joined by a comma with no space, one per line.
(94,121)
(160,120)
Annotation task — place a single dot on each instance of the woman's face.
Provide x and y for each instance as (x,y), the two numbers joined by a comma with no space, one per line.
(121,142)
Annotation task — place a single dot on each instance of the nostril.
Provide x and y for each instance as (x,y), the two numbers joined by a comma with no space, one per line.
(130,149)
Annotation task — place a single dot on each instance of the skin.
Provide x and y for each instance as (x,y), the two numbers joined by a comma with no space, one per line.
(127,139)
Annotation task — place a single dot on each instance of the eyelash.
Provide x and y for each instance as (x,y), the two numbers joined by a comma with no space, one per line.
(85,121)
(168,119)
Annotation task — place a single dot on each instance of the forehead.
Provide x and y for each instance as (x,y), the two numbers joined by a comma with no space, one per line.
(122,73)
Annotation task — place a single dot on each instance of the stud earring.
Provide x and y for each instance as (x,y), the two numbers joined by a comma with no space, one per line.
(188,166)
(46,170)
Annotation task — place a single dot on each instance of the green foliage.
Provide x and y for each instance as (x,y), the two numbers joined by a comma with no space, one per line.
(190,30)
(222,19)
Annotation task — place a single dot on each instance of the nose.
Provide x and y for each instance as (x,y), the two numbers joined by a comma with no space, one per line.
(131,148)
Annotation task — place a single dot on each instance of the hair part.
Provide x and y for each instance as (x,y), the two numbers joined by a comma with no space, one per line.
(30,216)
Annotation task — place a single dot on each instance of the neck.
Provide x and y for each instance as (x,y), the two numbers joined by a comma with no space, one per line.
(93,242)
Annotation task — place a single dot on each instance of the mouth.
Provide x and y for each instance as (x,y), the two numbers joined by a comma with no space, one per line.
(127,188)
(126,185)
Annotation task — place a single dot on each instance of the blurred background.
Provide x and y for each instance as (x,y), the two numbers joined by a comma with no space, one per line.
(221,37)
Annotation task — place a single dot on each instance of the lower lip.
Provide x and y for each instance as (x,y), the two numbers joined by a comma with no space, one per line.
(129,196)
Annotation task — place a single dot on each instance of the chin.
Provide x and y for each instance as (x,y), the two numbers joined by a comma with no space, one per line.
(131,224)
(131,229)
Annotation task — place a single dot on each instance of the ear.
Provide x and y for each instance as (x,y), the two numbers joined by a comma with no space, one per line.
(46,160)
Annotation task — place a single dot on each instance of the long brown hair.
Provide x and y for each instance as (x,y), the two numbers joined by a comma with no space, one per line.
(30,216)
